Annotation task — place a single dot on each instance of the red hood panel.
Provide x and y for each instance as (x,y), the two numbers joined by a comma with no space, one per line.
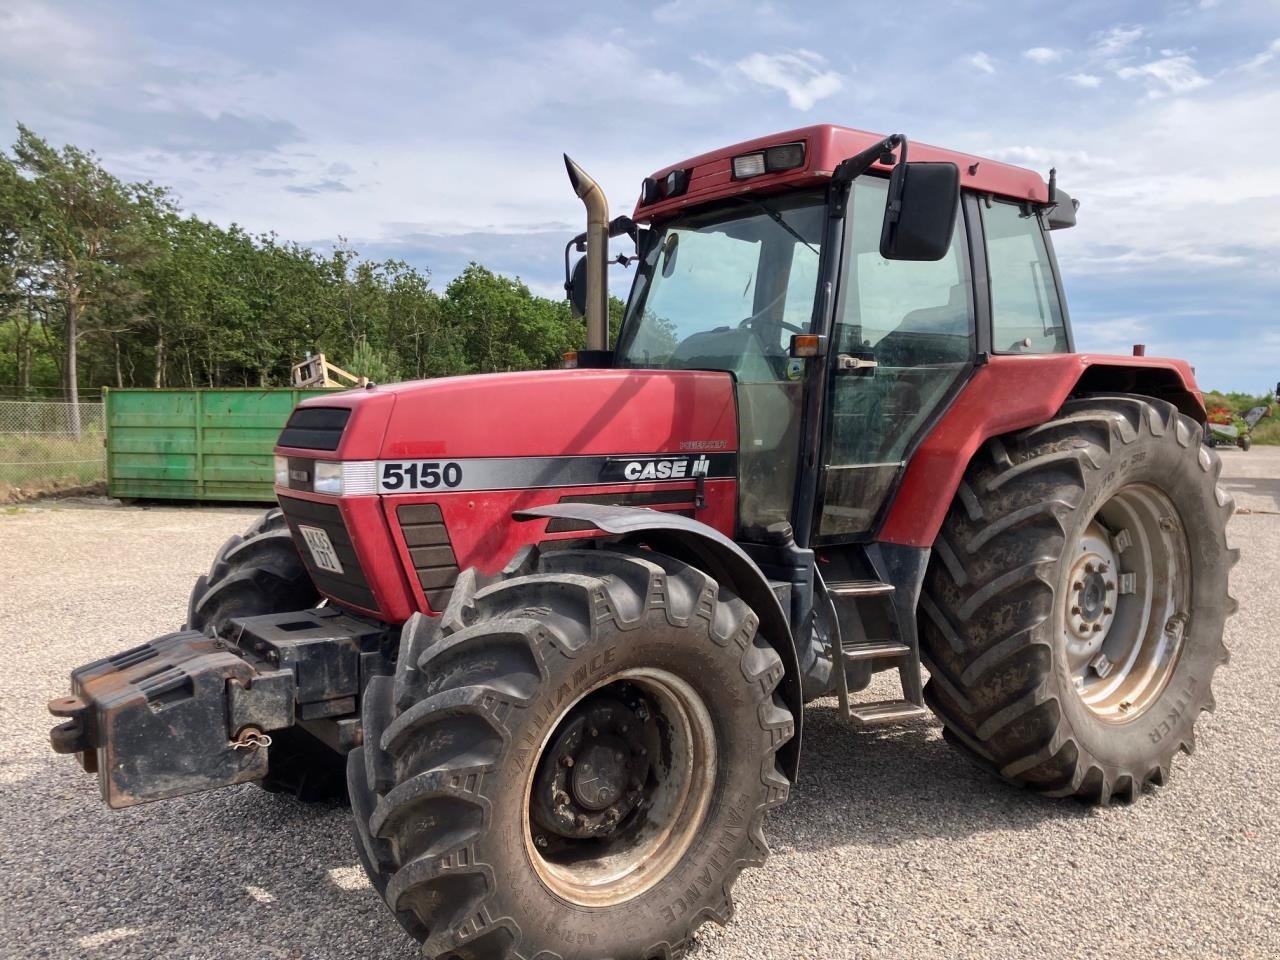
(540,414)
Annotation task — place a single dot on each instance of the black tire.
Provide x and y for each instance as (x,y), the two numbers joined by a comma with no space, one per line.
(1246,442)
(260,573)
(257,573)
(439,788)
(996,605)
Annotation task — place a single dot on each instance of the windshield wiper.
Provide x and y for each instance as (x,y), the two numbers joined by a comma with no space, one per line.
(776,217)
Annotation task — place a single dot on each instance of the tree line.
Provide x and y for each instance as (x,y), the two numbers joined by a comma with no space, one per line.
(105,282)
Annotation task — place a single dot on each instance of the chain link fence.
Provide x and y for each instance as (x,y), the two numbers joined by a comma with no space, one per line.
(40,449)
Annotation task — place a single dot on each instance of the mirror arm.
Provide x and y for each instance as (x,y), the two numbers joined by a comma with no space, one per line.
(853,167)
(579,242)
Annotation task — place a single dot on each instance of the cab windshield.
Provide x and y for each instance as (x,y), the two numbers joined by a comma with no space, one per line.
(724,290)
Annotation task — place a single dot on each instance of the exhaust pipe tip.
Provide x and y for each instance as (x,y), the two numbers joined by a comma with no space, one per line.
(597,292)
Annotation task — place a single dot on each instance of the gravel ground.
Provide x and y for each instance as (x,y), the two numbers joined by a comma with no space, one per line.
(891,846)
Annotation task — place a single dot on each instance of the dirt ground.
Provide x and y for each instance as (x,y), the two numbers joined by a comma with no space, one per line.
(891,845)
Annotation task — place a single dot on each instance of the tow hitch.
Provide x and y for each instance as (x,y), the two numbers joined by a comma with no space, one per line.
(188,712)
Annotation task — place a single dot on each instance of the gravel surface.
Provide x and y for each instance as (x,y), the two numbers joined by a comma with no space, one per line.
(891,846)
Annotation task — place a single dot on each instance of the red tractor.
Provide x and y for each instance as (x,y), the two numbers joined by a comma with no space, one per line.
(562,625)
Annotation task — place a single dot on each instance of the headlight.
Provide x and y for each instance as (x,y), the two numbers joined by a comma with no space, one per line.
(282,470)
(328,477)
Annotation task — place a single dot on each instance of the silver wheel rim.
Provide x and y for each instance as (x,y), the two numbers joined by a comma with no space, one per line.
(655,835)
(1125,605)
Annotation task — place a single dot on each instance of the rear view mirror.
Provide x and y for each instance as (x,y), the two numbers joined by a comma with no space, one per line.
(578,288)
(921,211)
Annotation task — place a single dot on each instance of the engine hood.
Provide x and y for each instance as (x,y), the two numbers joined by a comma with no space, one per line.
(549,413)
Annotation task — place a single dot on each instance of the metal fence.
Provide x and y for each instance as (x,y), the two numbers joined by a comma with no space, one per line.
(41,449)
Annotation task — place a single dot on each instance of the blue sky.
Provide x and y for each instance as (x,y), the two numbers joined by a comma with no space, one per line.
(433,131)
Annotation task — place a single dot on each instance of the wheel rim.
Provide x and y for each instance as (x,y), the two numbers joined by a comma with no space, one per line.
(620,787)
(1125,606)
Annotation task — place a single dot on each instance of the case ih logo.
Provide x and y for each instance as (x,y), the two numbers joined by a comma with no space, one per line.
(640,469)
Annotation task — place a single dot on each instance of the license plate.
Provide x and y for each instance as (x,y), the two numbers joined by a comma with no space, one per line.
(321,547)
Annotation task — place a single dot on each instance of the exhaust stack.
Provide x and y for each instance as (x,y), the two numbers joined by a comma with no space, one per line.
(592,197)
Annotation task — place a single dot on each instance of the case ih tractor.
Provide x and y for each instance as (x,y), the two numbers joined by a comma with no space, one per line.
(562,625)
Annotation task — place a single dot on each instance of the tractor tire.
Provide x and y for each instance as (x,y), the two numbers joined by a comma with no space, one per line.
(255,574)
(1074,606)
(1246,442)
(573,762)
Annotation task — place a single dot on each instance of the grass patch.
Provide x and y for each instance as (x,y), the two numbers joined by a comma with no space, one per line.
(31,464)
(1268,430)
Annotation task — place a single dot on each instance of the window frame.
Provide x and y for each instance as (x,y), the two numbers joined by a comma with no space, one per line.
(984,202)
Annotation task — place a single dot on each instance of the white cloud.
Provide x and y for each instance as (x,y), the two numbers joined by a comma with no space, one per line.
(801,74)
(1043,54)
(1262,59)
(1117,40)
(1176,75)
(1087,80)
(981,61)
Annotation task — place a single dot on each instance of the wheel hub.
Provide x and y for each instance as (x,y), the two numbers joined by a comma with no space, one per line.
(1091,592)
(1125,603)
(620,788)
(593,773)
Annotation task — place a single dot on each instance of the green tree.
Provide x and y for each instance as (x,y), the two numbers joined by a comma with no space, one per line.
(89,231)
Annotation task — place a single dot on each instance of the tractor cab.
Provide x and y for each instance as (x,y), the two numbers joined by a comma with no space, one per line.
(741,272)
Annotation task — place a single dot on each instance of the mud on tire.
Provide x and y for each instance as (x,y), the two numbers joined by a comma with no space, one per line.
(260,573)
(996,614)
(441,788)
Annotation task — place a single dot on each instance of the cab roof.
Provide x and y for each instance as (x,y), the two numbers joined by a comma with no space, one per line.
(711,174)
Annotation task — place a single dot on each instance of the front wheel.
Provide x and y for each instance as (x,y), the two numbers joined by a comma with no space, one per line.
(1075,603)
(1246,442)
(574,761)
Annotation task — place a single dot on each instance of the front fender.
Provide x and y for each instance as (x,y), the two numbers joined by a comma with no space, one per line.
(711,551)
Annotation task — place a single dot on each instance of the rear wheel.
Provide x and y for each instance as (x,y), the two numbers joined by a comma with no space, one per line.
(1075,603)
(1246,442)
(252,575)
(574,761)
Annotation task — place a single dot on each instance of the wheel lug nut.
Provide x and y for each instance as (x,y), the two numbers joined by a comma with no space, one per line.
(1107,610)
(1088,568)
(540,840)
(562,798)
(1075,611)
(581,820)
(1097,628)
(566,761)
(622,728)
(1077,585)
(1111,584)
(593,732)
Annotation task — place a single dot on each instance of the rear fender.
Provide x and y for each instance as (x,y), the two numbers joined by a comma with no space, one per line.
(1012,393)
(712,552)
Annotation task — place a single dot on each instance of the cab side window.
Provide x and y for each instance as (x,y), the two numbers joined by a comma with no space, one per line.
(1026,315)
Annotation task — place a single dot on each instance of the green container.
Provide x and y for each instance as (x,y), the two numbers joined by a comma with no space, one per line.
(195,444)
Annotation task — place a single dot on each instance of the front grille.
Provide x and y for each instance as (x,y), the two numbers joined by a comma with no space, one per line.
(428,541)
(315,428)
(350,586)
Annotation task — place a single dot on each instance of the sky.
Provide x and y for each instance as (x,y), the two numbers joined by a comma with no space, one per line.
(433,132)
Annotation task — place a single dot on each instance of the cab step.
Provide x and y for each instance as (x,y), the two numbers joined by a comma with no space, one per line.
(883,712)
(842,589)
(875,650)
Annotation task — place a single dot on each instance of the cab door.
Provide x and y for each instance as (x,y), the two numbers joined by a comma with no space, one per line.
(906,333)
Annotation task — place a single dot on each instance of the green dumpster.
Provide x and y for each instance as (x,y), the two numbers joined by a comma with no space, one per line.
(195,444)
